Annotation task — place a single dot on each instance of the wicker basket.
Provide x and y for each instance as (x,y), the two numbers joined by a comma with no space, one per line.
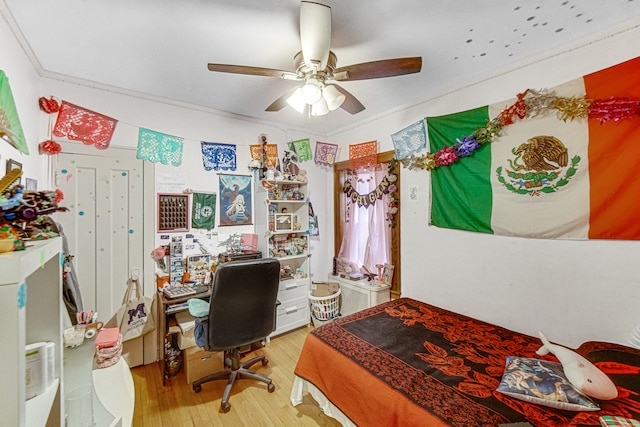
(325,308)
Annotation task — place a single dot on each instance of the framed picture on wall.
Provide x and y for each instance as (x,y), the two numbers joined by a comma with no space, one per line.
(11,165)
(30,184)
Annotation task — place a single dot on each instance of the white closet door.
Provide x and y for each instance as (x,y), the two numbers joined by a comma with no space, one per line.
(103,190)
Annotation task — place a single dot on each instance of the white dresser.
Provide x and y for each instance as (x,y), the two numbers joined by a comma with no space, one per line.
(360,294)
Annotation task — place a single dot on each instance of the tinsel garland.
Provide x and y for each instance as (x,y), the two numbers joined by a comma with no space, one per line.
(529,104)
(614,109)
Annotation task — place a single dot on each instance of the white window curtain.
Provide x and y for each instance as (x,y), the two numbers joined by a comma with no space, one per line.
(367,235)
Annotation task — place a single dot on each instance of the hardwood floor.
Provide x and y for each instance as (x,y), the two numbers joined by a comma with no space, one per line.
(176,404)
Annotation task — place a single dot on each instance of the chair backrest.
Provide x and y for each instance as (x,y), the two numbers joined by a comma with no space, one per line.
(242,308)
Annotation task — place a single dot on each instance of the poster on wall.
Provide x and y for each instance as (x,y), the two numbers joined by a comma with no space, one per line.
(235,200)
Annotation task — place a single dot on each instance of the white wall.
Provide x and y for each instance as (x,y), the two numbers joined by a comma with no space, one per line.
(200,125)
(134,111)
(572,290)
(25,86)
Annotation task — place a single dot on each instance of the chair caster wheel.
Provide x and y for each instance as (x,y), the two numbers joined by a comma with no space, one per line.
(197,388)
(265,361)
(227,362)
(225,407)
(271,387)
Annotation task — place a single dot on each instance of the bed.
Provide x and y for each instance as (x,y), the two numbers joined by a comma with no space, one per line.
(405,363)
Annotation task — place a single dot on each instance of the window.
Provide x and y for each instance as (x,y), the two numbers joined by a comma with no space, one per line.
(363,234)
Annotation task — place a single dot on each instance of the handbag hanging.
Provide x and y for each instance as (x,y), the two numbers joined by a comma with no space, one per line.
(134,317)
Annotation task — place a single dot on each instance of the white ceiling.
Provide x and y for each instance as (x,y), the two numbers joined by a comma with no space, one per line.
(162,47)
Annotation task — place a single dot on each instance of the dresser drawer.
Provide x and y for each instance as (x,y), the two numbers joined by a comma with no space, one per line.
(293,289)
(292,314)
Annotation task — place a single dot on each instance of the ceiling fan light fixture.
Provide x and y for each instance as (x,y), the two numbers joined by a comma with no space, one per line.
(315,65)
(320,108)
(296,101)
(312,91)
(333,97)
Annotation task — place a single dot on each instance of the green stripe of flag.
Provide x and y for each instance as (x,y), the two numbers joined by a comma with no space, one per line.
(461,193)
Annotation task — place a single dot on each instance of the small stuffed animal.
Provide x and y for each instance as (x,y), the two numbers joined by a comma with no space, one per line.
(302,176)
(580,372)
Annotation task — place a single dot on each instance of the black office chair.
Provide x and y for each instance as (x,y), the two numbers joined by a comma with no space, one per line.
(242,311)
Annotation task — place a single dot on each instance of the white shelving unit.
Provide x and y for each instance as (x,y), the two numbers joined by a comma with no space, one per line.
(282,220)
(31,311)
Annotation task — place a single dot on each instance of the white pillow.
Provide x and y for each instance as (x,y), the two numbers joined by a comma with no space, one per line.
(544,383)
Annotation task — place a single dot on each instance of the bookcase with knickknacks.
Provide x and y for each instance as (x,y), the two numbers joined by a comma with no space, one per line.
(282,223)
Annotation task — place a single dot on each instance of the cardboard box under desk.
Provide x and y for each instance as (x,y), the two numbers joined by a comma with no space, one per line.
(199,363)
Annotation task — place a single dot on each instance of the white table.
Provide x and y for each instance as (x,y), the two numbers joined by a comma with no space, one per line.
(360,294)
(114,393)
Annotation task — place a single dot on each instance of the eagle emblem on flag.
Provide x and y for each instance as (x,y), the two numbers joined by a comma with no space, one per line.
(538,167)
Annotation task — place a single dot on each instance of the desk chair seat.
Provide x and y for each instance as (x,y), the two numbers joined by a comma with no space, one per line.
(242,311)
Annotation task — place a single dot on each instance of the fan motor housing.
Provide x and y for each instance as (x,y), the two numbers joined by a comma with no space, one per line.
(304,71)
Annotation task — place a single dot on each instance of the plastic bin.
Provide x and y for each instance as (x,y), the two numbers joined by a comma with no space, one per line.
(325,308)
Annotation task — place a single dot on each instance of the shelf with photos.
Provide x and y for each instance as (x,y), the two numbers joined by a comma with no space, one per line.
(287,245)
(283,219)
(289,193)
(292,269)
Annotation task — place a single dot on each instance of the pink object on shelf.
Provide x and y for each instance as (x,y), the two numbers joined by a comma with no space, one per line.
(107,337)
(249,242)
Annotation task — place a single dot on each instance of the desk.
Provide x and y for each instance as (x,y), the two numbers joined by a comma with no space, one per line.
(226,257)
(165,310)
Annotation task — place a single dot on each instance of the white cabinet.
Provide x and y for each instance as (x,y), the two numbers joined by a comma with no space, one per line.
(282,222)
(357,295)
(31,311)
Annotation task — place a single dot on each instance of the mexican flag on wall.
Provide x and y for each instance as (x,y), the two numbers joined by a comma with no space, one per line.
(545,177)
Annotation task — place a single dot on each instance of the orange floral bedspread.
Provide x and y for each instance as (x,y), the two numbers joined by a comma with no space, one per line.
(406,363)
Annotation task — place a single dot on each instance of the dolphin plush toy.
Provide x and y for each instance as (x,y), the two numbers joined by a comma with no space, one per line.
(580,372)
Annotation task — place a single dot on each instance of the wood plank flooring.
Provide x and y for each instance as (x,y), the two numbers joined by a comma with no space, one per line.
(176,404)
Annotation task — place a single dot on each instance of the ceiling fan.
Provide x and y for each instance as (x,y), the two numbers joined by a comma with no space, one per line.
(316,67)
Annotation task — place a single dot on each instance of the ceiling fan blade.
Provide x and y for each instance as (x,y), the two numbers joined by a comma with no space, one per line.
(253,71)
(378,69)
(351,104)
(281,102)
(315,33)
